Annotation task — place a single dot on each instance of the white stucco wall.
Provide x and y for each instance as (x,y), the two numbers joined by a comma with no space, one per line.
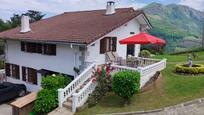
(93,51)
(63,62)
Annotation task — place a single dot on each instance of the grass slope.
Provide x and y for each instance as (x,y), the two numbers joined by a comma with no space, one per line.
(169,90)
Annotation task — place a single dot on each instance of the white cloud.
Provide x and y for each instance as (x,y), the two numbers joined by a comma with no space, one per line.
(58,6)
(197,4)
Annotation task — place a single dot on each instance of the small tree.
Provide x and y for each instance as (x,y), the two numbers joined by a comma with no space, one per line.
(125,84)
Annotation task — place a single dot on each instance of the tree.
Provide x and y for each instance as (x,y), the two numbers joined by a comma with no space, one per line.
(34,16)
(4,25)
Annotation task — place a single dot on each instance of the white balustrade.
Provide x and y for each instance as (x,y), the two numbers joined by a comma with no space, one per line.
(63,94)
(82,96)
(145,72)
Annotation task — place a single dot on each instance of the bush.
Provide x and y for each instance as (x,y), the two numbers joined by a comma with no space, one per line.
(55,82)
(126,83)
(46,101)
(145,54)
(104,85)
(195,69)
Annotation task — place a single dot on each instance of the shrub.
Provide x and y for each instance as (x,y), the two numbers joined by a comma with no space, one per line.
(46,101)
(145,53)
(195,69)
(47,98)
(104,85)
(126,83)
(55,82)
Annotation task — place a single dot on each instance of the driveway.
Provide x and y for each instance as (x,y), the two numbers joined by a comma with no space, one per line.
(5,109)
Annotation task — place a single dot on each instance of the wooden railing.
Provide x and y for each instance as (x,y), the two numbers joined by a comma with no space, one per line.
(82,96)
(63,94)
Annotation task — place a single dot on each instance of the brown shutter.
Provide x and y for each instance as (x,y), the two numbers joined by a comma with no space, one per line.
(23,46)
(8,70)
(103,45)
(32,76)
(24,73)
(114,44)
(15,71)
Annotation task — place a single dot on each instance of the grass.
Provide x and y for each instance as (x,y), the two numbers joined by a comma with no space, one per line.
(181,57)
(170,89)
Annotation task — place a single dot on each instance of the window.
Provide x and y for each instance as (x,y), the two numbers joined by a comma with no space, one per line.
(48,49)
(29,75)
(108,44)
(12,70)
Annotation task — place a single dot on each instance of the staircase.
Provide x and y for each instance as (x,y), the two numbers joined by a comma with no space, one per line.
(76,93)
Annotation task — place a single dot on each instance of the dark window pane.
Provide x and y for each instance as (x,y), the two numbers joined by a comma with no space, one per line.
(49,49)
(114,44)
(38,48)
(24,73)
(8,70)
(23,46)
(31,47)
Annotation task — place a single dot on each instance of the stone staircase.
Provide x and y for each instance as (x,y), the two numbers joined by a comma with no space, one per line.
(68,104)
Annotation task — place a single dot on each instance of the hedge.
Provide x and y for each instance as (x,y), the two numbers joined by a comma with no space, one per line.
(195,69)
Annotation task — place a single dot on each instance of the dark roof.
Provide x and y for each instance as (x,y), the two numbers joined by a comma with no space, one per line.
(81,27)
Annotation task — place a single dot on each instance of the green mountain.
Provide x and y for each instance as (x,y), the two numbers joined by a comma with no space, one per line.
(175,23)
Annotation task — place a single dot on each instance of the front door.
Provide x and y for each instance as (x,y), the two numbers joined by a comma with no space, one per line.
(131,49)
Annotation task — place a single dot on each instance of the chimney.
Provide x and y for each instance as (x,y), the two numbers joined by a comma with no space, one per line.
(25,25)
(110,8)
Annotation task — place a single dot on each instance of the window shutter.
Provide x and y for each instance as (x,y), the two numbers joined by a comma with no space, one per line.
(32,76)
(23,46)
(114,44)
(8,70)
(24,73)
(15,71)
(103,45)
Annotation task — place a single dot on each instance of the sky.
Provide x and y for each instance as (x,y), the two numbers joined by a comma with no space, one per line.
(54,7)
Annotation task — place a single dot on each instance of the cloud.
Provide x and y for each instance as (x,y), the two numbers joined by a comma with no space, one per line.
(197,4)
(58,6)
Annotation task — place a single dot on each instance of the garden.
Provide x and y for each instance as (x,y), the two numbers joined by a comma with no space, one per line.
(171,88)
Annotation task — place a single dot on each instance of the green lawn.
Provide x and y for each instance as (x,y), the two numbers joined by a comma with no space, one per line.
(169,90)
(181,57)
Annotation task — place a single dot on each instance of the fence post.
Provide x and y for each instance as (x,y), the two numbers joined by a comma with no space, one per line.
(74,102)
(60,97)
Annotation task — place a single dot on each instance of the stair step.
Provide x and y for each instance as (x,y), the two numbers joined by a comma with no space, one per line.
(67,105)
(69,99)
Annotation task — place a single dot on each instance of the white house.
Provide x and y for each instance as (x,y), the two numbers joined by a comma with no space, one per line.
(72,39)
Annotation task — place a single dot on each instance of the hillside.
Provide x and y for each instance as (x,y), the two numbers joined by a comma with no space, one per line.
(175,23)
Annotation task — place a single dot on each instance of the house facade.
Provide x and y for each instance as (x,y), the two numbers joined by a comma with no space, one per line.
(73,39)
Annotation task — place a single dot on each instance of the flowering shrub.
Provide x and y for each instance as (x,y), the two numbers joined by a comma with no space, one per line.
(103,78)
